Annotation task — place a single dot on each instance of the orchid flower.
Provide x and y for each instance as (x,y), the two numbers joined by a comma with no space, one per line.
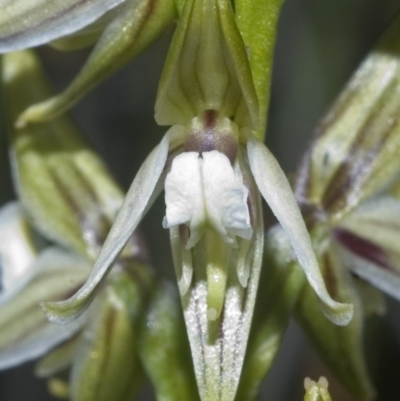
(213,169)
(345,189)
(47,243)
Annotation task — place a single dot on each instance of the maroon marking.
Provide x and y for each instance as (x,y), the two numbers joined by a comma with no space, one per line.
(210,118)
(210,138)
(362,247)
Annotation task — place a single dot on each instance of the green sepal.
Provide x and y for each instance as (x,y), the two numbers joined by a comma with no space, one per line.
(107,366)
(207,68)
(62,184)
(257,22)
(341,347)
(136,26)
(280,284)
(164,347)
(355,152)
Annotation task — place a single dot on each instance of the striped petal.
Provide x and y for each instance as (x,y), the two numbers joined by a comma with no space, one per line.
(355,152)
(25,333)
(369,246)
(378,223)
(30,23)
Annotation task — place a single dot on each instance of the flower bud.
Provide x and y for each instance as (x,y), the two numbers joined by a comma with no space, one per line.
(316,391)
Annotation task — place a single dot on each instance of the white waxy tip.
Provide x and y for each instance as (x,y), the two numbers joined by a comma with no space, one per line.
(204,192)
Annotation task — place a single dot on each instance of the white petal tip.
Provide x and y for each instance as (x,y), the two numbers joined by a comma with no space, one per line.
(338,313)
(243,279)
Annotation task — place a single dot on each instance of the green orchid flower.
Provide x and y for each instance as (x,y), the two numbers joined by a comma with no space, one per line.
(213,169)
(211,163)
(344,186)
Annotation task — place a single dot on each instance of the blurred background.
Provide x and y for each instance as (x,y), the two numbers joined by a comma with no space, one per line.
(320,43)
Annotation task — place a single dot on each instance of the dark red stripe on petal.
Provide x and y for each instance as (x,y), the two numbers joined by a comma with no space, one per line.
(362,247)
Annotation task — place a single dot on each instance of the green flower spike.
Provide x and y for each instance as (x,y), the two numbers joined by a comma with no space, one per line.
(213,169)
(343,187)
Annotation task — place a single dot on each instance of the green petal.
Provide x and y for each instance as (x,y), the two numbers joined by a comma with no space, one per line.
(129,216)
(31,23)
(107,366)
(257,22)
(25,333)
(62,184)
(280,284)
(340,347)
(355,152)
(137,24)
(207,68)
(164,348)
(275,189)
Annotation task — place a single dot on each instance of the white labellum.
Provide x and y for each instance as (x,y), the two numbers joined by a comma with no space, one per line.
(205,192)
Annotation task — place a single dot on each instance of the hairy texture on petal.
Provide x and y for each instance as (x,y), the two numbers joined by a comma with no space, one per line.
(275,189)
(281,282)
(137,25)
(128,218)
(206,68)
(31,23)
(218,346)
(205,192)
(25,333)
